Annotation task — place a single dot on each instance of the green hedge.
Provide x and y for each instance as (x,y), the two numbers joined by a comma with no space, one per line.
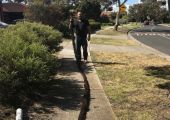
(25,56)
(36,32)
(63,27)
(94,25)
(107,24)
(53,14)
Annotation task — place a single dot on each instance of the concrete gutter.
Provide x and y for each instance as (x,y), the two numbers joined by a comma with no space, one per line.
(166,25)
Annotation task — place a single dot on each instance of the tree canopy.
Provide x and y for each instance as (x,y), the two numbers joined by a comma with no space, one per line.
(139,12)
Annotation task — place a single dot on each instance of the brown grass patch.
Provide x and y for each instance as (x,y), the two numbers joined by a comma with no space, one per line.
(137,85)
(115,42)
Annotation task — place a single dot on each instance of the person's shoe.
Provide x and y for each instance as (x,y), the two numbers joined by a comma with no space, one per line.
(85,61)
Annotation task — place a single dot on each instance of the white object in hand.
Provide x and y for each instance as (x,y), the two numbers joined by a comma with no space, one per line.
(19,114)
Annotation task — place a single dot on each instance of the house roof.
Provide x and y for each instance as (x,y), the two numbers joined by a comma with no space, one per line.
(13,7)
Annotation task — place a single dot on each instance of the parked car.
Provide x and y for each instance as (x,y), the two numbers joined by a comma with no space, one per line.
(3,25)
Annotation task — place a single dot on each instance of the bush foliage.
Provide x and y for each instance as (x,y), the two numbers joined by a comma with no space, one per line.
(94,25)
(52,15)
(25,56)
(36,32)
(91,9)
(139,12)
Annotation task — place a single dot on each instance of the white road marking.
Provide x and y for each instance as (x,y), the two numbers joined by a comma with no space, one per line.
(165,37)
(153,34)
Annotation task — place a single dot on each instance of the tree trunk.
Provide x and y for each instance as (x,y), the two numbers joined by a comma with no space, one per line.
(118,13)
(117,16)
(117,21)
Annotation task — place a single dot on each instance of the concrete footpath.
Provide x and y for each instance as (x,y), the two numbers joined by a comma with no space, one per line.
(72,87)
(100,108)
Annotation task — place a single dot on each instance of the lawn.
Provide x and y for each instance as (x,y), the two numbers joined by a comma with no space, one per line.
(137,85)
(123,29)
(109,31)
(131,26)
(112,41)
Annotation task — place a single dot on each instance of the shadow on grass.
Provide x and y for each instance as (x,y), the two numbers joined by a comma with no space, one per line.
(108,63)
(40,98)
(90,65)
(99,63)
(160,72)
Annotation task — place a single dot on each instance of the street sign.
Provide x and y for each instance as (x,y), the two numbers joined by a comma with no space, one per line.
(123,8)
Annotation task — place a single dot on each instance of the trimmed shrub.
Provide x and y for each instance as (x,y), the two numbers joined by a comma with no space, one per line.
(24,55)
(104,17)
(52,15)
(94,25)
(63,27)
(21,63)
(36,32)
(107,24)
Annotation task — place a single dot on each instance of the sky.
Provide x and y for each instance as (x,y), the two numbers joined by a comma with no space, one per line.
(128,3)
(131,2)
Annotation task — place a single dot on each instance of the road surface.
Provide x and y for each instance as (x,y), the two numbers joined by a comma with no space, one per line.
(157,37)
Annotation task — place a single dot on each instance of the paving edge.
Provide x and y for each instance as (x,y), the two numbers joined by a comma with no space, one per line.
(164,25)
(161,54)
(98,80)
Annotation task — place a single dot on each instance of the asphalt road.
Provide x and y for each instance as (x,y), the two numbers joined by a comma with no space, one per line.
(157,37)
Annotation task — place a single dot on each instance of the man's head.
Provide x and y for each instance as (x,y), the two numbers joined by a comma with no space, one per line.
(80,15)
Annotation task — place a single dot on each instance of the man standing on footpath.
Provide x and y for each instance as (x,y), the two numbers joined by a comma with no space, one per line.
(81,28)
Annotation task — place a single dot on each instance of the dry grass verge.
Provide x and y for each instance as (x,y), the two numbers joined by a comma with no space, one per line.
(137,85)
(109,31)
(116,42)
(123,29)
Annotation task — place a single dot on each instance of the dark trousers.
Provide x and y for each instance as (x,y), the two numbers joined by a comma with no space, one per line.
(81,42)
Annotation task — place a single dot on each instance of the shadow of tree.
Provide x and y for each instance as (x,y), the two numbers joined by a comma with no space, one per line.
(64,93)
(160,72)
(99,63)
(68,66)
(164,86)
(91,64)
(108,63)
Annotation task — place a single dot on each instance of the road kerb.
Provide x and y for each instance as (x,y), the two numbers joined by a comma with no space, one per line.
(161,54)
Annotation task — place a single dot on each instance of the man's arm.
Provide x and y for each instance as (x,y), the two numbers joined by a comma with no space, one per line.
(89,33)
(71,22)
(71,26)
